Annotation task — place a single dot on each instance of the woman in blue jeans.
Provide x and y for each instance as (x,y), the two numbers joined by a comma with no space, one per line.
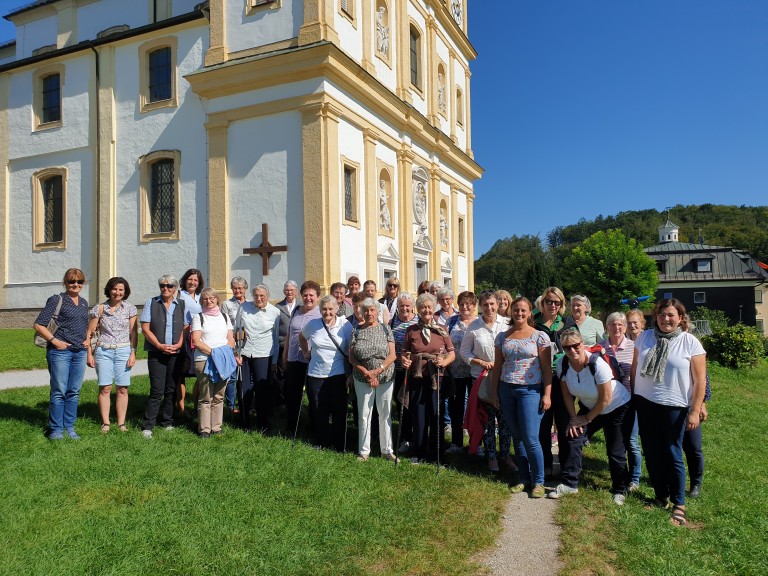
(65,352)
(522,375)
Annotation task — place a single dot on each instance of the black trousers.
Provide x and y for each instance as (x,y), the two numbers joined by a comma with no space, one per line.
(694,455)
(457,403)
(164,372)
(293,389)
(559,414)
(618,426)
(328,402)
(424,407)
(255,390)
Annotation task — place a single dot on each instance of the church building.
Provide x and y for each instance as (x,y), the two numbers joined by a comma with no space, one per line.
(269,139)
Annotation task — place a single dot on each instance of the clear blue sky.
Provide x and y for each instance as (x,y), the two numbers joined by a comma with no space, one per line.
(587,107)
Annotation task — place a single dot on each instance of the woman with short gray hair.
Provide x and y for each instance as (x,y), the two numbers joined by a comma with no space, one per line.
(372,356)
(592,330)
(325,341)
(239,287)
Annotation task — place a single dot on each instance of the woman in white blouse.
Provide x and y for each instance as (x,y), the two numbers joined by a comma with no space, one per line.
(211,330)
(258,325)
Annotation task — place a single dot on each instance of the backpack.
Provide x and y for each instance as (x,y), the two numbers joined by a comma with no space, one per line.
(596,352)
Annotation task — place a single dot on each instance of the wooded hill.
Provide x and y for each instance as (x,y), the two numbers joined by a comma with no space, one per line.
(527,265)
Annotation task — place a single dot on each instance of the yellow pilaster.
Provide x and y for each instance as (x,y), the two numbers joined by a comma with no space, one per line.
(318,22)
(104,170)
(218,196)
(403,51)
(450,93)
(433,204)
(430,82)
(371,189)
(66,18)
(217,49)
(405,206)
(368,9)
(470,242)
(453,234)
(322,197)
(468,114)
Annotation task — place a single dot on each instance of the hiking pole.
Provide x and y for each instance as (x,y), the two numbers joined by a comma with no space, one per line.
(402,409)
(301,401)
(438,421)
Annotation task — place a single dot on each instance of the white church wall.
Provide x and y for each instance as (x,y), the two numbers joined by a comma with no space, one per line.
(264,25)
(350,33)
(34,275)
(97,16)
(271,94)
(361,110)
(35,34)
(265,185)
(181,129)
(73,133)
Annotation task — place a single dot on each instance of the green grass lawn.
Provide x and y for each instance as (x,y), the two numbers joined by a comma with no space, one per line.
(235,504)
(728,525)
(20,353)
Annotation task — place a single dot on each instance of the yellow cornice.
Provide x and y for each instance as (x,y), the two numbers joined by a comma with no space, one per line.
(326,60)
(453,30)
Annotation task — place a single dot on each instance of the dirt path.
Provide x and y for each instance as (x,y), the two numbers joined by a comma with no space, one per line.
(528,543)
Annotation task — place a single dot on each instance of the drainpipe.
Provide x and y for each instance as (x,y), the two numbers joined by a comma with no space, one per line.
(97,191)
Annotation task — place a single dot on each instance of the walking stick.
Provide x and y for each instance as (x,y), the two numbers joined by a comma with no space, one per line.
(438,426)
(301,401)
(402,409)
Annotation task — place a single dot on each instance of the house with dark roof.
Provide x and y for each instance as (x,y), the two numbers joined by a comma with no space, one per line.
(718,277)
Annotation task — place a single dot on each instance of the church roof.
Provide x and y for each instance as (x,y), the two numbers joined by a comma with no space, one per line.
(27,7)
(669,224)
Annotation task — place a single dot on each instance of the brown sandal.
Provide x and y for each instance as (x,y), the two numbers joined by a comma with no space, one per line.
(122,428)
(105,428)
(678,517)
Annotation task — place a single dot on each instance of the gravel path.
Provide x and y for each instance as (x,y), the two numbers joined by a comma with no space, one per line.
(29,378)
(529,541)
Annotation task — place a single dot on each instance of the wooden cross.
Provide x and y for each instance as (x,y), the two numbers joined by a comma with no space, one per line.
(265,250)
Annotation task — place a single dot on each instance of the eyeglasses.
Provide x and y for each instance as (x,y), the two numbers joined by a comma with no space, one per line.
(549,302)
(168,286)
(393,285)
(571,346)
(71,281)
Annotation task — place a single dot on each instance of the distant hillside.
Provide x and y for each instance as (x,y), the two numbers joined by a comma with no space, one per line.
(524,265)
(743,227)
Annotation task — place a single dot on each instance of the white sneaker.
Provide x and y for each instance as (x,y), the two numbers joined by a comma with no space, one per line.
(169,428)
(562,490)
(146,433)
(618,499)
(634,486)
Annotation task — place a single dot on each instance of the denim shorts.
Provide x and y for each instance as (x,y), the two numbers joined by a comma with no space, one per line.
(111,366)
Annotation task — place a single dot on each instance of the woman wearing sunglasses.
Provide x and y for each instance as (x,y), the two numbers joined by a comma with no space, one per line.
(65,352)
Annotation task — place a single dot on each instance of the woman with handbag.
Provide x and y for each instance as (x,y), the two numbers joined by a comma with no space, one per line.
(325,341)
(258,323)
(65,352)
(477,350)
(114,327)
(372,356)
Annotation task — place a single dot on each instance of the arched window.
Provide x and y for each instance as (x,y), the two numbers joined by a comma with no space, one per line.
(415,57)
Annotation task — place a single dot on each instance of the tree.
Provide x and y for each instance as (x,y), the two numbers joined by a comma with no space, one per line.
(518,264)
(609,267)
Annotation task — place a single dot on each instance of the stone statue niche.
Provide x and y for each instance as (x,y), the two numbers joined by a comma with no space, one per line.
(382,31)
(385,216)
(443,228)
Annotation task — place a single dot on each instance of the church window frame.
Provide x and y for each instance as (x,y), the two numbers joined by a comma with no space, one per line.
(347,10)
(416,57)
(350,192)
(151,75)
(49,206)
(459,106)
(253,6)
(154,196)
(48,100)
(461,231)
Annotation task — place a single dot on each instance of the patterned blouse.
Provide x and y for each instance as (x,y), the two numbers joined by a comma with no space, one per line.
(398,333)
(371,348)
(72,320)
(114,328)
(521,358)
(459,368)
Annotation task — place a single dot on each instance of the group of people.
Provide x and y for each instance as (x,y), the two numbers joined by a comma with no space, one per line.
(511,372)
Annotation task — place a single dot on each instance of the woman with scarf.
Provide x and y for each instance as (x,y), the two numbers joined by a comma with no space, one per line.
(669,382)
(427,351)
(401,321)
(213,340)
